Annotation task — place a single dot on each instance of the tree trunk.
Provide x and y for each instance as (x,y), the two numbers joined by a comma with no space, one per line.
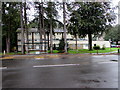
(48,40)
(1,26)
(32,40)
(62,35)
(8,35)
(116,42)
(76,42)
(51,33)
(8,44)
(90,41)
(44,33)
(64,17)
(22,30)
(51,39)
(40,27)
(26,28)
(45,46)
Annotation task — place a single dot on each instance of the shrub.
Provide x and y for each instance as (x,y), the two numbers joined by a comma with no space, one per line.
(94,44)
(54,47)
(61,46)
(103,48)
(96,47)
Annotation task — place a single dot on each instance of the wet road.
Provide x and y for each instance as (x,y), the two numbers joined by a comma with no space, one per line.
(68,72)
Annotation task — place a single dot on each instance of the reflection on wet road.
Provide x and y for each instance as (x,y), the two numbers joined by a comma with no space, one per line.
(75,72)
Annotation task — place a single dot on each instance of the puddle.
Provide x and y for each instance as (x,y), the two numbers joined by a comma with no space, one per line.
(108,62)
(114,60)
(88,81)
(64,58)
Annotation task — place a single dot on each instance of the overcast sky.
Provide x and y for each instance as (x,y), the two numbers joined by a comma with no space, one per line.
(31,12)
(115,3)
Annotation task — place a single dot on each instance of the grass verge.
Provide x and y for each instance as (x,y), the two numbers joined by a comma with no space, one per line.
(82,51)
(107,50)
(79,51)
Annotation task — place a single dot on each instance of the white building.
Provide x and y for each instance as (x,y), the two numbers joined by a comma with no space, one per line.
(34,40)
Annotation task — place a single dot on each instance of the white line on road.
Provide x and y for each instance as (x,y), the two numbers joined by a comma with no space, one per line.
(60,65)
(3,68)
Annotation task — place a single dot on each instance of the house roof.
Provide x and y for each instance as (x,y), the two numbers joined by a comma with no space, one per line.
(57,30)
(30,30)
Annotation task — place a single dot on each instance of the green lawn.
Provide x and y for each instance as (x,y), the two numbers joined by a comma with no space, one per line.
(87,51)
(11,53)
(54,51)
(81,51)
(93,51)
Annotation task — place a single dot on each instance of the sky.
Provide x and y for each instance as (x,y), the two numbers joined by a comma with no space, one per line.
(113,2)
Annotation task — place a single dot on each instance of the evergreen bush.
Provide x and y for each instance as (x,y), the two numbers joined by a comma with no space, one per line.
(97,47)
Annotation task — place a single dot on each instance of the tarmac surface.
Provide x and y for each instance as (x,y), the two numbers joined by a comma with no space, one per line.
(69,71)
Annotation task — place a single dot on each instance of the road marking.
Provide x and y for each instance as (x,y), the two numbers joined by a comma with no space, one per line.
(60,65)
(3,68)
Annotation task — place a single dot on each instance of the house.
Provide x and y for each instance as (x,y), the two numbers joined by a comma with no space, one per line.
(35,43)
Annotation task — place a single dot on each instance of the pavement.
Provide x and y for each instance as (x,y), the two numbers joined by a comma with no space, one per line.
(67,71)
(47,56)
